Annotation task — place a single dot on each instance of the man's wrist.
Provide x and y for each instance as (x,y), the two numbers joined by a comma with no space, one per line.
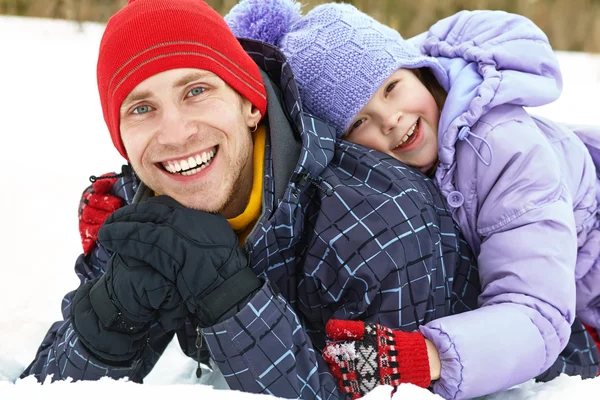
(237,308)
(231,296)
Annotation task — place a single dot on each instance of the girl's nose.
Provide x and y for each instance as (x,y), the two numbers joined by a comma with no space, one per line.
(390,121)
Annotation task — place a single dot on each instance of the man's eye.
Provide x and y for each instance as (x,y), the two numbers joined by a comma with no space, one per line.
(141,109)
(195,92)
(390,87)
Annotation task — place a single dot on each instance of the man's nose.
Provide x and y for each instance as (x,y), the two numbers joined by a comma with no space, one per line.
(176,127)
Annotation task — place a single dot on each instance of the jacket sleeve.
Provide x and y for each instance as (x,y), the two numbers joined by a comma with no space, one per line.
(61,355)
(265,349)
(588,258)
(526,262)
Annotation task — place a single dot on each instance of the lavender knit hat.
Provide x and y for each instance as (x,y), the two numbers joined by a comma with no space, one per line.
(339,55)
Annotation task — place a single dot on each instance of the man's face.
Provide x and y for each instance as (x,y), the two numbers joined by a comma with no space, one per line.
(186,133)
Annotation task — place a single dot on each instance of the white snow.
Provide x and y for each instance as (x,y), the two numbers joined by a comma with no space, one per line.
(345,350)
(52,137)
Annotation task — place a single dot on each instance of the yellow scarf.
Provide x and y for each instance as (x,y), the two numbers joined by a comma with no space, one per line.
(242,224)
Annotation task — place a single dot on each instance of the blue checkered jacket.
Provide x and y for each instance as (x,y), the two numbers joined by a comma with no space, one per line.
(345,232)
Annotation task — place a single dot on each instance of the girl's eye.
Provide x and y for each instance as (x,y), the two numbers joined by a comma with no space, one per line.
(390,87)
(141,110)
(356,124)
(196,92)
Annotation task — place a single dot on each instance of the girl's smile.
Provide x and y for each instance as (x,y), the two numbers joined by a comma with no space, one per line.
(411,140)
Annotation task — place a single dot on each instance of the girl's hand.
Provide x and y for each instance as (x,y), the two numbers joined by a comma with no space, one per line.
(364,356)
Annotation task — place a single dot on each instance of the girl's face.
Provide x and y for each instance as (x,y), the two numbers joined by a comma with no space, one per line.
(401,119)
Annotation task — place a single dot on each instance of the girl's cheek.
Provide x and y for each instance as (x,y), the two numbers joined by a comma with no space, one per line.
(373,144)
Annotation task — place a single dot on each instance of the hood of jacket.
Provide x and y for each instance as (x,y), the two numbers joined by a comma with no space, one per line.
(491,58)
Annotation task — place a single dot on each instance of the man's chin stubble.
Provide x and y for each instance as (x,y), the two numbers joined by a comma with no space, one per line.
(187,193)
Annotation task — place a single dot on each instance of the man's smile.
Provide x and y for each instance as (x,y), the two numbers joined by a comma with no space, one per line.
(190,165)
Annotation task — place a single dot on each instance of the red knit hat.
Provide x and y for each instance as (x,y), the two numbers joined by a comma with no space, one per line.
(151,36)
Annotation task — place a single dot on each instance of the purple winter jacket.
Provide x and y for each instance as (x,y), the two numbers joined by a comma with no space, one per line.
(523,191)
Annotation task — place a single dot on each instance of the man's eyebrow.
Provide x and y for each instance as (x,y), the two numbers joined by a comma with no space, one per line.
(133,97)
(192,76)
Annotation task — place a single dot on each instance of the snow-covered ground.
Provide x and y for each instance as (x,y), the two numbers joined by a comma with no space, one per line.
(52,137)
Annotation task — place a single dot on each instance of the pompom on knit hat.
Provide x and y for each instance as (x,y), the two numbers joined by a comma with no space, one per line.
(147,37)
(339,55)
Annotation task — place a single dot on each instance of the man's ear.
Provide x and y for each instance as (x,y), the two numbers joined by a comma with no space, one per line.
(253,117)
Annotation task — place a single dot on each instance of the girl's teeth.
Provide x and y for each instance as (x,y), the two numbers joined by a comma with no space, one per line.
(412,130)
(192,162)
(408,135)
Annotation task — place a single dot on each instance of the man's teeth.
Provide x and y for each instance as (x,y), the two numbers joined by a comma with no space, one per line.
(191,165)
(408,135)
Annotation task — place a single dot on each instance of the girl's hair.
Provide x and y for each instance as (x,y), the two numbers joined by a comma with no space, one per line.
(439,95)
(431,83)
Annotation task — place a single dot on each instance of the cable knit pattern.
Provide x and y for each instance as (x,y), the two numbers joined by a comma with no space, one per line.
(339,55)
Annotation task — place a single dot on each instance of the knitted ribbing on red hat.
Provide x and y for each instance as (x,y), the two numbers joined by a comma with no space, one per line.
(151,36)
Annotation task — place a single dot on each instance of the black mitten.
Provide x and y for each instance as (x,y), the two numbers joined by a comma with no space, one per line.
(197,251)
(112,314)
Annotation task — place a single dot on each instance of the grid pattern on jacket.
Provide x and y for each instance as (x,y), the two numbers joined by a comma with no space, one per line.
(580,357)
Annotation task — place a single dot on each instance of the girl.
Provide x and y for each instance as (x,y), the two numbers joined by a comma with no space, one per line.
(523,189)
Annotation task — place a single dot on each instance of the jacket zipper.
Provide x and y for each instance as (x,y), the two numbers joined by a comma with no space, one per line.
(198,347)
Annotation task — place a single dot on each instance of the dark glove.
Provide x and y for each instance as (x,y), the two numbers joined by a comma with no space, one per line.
(112,314)
(96,205)
(197,251)
(364,356)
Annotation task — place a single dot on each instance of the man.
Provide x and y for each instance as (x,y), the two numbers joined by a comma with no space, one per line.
(223,157)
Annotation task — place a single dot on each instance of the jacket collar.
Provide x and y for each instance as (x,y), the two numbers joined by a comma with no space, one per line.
(300,143)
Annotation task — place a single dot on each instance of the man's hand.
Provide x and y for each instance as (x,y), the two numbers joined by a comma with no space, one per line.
(112,314)
(197,251)
(363,356)
(97,205)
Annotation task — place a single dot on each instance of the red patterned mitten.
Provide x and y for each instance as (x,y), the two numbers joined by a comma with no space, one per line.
(96,205)
(363,356)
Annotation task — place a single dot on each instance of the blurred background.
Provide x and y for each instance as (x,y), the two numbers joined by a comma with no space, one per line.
(571,25)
